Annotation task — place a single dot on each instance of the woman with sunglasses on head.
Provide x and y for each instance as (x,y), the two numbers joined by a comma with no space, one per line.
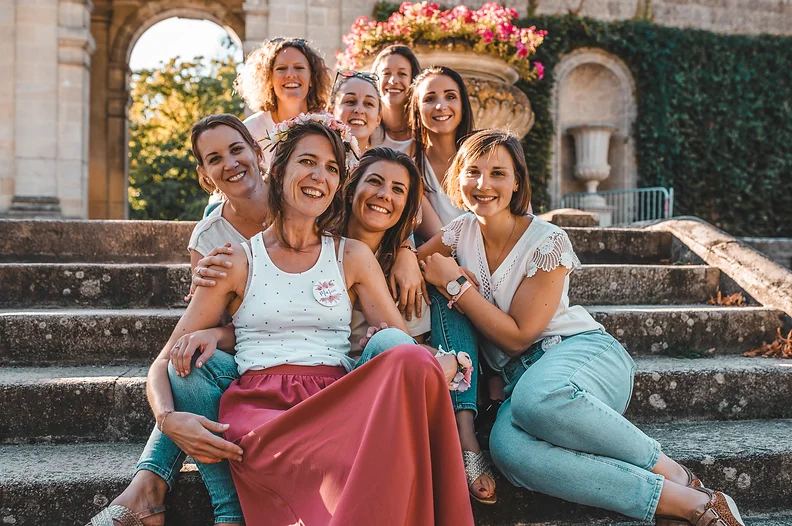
(354,100)
(396,66)
(292,289)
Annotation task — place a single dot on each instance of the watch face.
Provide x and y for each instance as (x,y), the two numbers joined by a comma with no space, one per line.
(453,288)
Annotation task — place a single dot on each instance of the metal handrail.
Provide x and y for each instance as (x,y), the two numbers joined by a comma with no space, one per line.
(626,206)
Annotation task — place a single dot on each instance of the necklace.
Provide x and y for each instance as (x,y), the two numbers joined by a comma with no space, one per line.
(498,260)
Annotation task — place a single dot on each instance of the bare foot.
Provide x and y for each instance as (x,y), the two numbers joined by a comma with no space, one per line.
(484,486)
(146,491)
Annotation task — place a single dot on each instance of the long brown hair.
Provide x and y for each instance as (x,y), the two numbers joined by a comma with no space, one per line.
(414,115)
(328,221)
(254,83)
(213,121)
(398,233)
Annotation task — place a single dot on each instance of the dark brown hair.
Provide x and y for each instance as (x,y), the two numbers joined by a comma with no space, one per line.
(331,102)
(414,115)
(402,50)
(254,83)
(482,143)
(398,233)
(213,121)
(328,221)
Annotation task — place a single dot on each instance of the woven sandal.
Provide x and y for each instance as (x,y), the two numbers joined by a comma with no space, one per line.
(475,466)
(123,515)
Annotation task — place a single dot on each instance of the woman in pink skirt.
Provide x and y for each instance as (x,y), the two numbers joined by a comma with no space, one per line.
(322,446)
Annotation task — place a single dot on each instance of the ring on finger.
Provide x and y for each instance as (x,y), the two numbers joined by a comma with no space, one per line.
(419,293)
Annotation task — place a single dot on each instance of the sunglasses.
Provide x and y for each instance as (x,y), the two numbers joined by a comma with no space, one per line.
(349,73)
(298,41)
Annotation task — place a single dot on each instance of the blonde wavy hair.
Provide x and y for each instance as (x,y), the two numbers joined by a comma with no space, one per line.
(254,83)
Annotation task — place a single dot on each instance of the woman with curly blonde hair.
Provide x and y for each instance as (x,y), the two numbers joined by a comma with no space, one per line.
(281,79)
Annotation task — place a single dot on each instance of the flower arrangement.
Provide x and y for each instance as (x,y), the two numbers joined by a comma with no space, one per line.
(282,129)
(488,30)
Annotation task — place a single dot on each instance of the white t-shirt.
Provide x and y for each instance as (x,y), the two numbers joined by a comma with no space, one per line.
(259,124)
(542,246)
(439,199)
(213,231)
(399,146)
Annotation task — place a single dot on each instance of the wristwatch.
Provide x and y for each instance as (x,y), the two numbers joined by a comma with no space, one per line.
(454,287)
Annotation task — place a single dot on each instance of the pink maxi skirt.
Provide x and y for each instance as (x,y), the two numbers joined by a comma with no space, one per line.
(377,446)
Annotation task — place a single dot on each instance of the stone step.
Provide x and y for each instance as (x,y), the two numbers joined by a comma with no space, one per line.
(71,241)
(65,241)
(66,484)
(36,336)
(688,330)
(101,403)
(114,285)
(643,284)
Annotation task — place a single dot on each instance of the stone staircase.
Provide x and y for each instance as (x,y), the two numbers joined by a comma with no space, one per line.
(85,306)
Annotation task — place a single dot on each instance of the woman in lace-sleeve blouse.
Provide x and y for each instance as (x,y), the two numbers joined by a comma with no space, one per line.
(561,429)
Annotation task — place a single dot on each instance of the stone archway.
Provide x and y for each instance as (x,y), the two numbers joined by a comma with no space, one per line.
(116,30)
(592,86)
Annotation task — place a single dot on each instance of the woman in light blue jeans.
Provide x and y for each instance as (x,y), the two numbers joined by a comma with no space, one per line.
(561,429)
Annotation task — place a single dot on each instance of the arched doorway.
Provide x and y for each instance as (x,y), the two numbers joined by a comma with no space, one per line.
(116,29)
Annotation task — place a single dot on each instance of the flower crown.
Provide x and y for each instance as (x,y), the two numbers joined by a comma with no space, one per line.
(282,130)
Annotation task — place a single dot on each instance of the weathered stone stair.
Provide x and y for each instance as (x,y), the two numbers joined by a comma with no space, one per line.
(85,306)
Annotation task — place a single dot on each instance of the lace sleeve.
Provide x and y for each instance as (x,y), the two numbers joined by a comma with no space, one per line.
(451,233)
(553,251)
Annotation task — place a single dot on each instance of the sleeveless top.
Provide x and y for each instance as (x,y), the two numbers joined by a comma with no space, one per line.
(293,318)
(213,231)
(543,246)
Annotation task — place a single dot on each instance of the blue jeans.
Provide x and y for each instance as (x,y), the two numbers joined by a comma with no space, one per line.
(199,392)
(561,432)
(453,331)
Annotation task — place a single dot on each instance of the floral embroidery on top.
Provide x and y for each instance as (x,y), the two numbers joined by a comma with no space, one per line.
(451,233)
(553,251)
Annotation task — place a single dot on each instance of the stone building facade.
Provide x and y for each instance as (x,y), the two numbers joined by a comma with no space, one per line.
(64,94)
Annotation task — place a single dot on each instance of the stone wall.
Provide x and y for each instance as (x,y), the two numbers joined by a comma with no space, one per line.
(779,249)
(63,107)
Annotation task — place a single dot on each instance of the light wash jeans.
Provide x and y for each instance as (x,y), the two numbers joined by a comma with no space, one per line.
(199,392)
(561,432)
(453,331)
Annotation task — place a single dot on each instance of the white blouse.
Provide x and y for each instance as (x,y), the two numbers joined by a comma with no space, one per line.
(542,246)
(213,231)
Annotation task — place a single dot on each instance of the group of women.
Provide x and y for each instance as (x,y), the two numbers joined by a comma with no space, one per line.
(323,400)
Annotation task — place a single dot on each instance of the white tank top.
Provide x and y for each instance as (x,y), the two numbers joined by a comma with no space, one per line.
(293,318)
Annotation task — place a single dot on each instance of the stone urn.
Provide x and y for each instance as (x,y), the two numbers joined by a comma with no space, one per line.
(495,101)
(592,142)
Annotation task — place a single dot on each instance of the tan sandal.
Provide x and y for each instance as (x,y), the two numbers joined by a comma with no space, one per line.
(123,515)
(721,510)
(476,466)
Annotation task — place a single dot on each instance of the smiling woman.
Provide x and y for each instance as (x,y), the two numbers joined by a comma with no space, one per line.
(355,101)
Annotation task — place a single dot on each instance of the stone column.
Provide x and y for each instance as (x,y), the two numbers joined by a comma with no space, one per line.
(75,47)
(7,102)
(256,24)
(98,207)
(36,110)
(118,102)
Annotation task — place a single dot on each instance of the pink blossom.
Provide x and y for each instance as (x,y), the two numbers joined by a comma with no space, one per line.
(487,36)
(539,67)
(522,49)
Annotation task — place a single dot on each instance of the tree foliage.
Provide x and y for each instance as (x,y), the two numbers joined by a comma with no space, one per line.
(165,104)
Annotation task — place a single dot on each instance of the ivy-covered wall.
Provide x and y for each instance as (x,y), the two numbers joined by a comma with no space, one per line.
(714,117)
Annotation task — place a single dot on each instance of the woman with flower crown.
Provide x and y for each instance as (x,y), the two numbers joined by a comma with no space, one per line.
(291,289)
(212,449)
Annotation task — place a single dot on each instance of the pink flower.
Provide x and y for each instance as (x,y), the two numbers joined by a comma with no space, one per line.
(464,360)
(539,67)
(487,36)
(522,49)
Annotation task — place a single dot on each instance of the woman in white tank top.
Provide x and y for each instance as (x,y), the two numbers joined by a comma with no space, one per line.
(561,430)
(291,294)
